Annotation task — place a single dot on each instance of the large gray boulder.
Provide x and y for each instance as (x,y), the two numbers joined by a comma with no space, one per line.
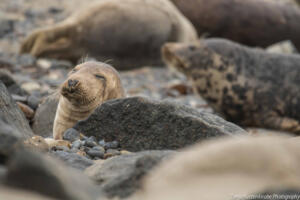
(142,124)
(12,115)
(40,173)
(9,140)
(122,175)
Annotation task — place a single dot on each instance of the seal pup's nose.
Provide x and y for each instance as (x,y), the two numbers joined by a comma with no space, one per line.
(72,83)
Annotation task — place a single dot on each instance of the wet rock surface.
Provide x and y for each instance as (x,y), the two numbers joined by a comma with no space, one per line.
(10,112)
(139,123)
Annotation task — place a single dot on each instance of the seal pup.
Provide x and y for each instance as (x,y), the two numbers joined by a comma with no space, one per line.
(130,33)
(249,86)
(88,85)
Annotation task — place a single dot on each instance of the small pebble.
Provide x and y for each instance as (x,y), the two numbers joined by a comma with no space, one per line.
(92,138)
(111,152)
(114,152)
(91,142)
(111,145)
(99,148)
(71,135)
(76,144)
(101,143)
(94,153)
(33,101)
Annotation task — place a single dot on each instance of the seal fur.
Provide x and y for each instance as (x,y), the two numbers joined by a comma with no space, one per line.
(88,85)
(248,86)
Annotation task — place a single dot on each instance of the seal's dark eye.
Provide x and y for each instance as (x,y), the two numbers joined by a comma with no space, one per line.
(99,76)
(74,70)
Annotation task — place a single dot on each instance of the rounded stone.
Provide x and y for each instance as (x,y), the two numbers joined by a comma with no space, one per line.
(71,135)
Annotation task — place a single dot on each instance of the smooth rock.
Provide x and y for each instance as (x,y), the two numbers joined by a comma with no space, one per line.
(111,145)
(121,176)
(95,153)
(33,101)
(71,135)
(99,148)
(44,116)
(50,177)
(12,115)
(138,123)
(12,86)
(10,140)
(73,159)
(76,144)
(222,169)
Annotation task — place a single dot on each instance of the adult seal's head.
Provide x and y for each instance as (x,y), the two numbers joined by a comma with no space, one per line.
(88,85)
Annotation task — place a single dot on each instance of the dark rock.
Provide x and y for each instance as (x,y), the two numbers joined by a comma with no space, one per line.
(99,148)
(111,145)
(95,153)
(76,144)
(44,116)
(101,143)
(71,135)
(90,143)
(3,172)
(10,139)
(12,115)
(121,176)
(113,151)
(139,123)
(33,101)
(13,88)
(45,175)
(73,160)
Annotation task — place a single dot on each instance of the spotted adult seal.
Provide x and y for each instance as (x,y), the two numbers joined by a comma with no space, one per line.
(250,22)
(129,33)
(88,85)
(248,86)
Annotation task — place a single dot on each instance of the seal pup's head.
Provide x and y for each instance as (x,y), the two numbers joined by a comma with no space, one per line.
(90,83)
(87,86)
